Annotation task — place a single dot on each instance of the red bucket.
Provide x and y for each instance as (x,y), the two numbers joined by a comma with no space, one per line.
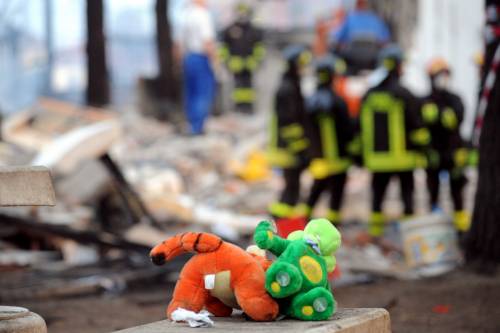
(336,274)
(288,225)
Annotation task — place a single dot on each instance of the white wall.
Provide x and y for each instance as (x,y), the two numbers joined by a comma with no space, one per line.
(451,29)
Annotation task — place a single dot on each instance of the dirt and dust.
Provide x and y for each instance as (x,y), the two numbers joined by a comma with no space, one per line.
(458,302)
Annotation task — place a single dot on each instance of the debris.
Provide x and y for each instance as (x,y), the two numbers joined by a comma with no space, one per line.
(70,149)
(26,186)
(193,180)
(371,260)
(76,254)
(254,169)
(366,260)
(11,257)
(441,309)
(153,182)
(83,186)
(103,239)
(194,319)
(64,281)
(145,234)
(37,127)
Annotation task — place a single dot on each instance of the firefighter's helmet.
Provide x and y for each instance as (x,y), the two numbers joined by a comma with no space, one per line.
(437,65)
(299,55)
(390,57)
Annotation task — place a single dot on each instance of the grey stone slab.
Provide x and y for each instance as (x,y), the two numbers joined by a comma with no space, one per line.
(26,186)
(344,321)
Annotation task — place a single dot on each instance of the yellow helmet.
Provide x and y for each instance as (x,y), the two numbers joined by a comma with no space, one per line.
(437,65)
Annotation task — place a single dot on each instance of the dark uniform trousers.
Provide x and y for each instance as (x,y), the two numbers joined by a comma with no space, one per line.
(335,184)
(380,181)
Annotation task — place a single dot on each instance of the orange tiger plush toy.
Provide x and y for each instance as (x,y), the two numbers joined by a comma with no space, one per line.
(219,277)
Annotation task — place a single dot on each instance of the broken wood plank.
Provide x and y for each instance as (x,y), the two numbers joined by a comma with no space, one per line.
(14,257)
(103,239)
(131,200)
(26,186)
(86,285)
(84,143)
(58,279)
(344,321)
(37,127)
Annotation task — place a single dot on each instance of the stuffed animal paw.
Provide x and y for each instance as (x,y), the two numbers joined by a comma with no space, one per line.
(264,235)
(316,304)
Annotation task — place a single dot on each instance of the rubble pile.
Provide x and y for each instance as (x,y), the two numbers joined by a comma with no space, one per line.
(198,179)
(125,186)
(123,181)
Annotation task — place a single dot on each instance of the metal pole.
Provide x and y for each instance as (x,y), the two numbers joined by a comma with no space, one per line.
(49,44)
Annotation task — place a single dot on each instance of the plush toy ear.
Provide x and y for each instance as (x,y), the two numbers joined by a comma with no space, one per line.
(329,237)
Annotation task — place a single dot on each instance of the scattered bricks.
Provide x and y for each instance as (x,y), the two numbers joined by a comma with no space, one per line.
(344,321)
(26,186)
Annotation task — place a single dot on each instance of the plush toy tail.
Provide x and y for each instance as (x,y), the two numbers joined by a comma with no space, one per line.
(184,243)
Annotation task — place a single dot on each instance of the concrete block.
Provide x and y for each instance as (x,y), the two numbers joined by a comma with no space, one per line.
(26,186)
(344,321)
(20,320)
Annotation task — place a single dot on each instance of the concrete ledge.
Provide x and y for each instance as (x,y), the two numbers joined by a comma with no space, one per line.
(20,320)
(26,186)
(344,321)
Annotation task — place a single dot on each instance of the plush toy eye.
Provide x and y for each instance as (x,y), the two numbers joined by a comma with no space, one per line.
(320,304)
(283,279)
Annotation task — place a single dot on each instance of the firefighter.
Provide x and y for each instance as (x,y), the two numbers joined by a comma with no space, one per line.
(331,132)
(360,37)
(443,112)
(242,51)
(392,135)
(288,143)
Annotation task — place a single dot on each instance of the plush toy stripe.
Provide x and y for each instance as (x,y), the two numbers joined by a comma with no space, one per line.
(184,243)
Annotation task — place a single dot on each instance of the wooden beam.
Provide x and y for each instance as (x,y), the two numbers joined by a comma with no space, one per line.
(102,239)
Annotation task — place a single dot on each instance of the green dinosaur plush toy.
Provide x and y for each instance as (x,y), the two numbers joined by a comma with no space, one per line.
(299,274)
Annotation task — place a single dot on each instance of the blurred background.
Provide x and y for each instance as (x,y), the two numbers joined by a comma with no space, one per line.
(96,90)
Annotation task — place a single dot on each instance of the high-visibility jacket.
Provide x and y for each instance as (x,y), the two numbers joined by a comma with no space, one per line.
(330,131)
(443,113)
(288,142)
(242,49)
(391,129)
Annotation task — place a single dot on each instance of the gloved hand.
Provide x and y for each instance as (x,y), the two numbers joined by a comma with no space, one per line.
(433,158)
(460,161)
(319,168)
(461,157)
(473,159)
(421,161)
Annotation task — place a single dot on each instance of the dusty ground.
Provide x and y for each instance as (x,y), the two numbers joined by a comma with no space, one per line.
(471,302)
(458,302)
